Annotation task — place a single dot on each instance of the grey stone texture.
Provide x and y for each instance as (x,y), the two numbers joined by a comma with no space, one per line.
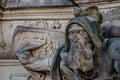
(36,3)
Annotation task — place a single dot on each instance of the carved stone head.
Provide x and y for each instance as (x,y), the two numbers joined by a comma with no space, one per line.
(80,55)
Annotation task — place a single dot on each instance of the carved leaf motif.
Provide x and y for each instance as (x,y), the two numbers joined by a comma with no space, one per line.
(56,25)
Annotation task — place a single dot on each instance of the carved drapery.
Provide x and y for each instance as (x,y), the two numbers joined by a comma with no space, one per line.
(6,49)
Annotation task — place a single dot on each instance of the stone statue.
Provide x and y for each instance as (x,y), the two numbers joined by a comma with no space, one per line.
(83,42)
(80,53)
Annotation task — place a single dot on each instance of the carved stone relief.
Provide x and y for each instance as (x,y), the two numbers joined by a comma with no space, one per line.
(112,14)
(56,25)
(48,41)
(45,39)
(2,43)
(7,31)
(42,24)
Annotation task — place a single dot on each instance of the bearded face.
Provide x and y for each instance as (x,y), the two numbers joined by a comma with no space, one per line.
(81,49)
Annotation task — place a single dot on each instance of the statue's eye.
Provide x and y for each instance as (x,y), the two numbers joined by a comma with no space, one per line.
(74,31)
(81,32)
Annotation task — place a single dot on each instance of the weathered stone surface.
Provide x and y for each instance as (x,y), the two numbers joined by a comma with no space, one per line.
(48,40)
(2,3)
(38,18)
(36,3)
(90,1)
(54,18)
(12,70)
(112,14)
